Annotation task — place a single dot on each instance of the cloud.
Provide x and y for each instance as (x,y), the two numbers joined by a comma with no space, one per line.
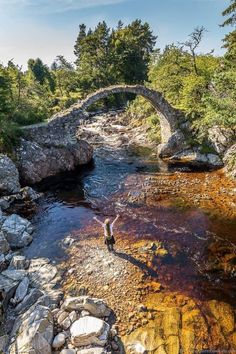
(52,6)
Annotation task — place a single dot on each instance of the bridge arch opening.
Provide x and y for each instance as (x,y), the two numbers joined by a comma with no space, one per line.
(169,116)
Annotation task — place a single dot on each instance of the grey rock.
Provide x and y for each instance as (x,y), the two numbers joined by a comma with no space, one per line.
(38,160)
(17,231)
(34,332)
(214,160)
(30,194)
(51,299)
(28,301)
(89,331)
(3,343)
(18,262)
(4,245)
(68,351)
(7,289)
(21,291)
(195,158)
(9,176)
(4,203)
(16,275)
(59,340)
(3,262)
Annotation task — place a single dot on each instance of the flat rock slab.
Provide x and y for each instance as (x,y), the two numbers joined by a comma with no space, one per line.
(16,275)
(96,307)
(89,331)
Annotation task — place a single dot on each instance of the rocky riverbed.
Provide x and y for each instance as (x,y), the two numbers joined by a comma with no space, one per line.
(168,288)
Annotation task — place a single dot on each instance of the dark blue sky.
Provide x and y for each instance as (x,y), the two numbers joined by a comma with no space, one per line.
(46,28)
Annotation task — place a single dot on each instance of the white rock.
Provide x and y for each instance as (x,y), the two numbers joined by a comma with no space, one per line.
(58,341)
(89,331)
(34,332)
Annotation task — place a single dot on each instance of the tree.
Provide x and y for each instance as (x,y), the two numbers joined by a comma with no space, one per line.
(132,46)
(41,73)
(231,12)
(193,43)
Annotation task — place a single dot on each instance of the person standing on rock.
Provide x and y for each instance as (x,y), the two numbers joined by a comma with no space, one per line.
(108,232)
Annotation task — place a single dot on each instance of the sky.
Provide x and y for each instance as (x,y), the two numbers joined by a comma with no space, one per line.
(47,28)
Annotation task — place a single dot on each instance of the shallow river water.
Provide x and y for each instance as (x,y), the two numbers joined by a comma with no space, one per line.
(190,214)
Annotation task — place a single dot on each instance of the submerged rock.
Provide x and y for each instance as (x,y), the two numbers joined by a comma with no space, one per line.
(89,331)
(9,176)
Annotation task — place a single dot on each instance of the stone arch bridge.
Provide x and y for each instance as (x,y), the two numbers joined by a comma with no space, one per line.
(170,118)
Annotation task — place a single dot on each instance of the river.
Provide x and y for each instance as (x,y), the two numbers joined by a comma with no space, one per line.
(175,239)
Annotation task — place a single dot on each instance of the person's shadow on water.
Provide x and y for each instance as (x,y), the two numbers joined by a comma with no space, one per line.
(148,271)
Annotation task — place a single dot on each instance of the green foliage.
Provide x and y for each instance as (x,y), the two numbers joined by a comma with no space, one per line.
(106,57)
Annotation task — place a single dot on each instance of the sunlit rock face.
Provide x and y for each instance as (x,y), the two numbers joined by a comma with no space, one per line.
(230,161)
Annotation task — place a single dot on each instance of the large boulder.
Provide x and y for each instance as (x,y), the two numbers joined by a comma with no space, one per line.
(221,138)
(176,143)
(89,331)
(17,231)
(33,331)
(37,161)
(9,176)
